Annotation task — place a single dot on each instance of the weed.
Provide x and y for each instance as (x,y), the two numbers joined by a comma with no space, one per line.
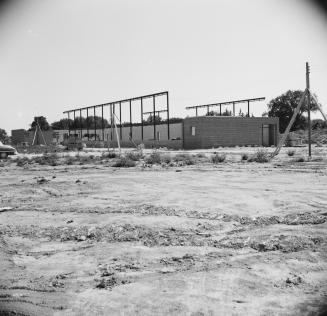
(166,159)
(185,158)
(300,159)
(200,155)
(22,161)
(260,156)
(154,158)
(290,152)
(134,155)
(50,159)
(218,158)
(124,162)
(70,160)
(109,155)
(244,157)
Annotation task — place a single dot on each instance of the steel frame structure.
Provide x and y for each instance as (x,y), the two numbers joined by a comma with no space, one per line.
(196,107)
(112,113)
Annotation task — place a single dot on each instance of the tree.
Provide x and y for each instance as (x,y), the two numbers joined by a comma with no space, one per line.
(157,119)
(62,124)
(42,122)
(80,122)
(215,113)
(3,136)
(283,107)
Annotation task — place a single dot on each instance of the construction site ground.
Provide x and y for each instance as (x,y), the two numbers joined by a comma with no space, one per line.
(232,238)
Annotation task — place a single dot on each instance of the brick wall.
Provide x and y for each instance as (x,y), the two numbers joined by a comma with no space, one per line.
(213,131)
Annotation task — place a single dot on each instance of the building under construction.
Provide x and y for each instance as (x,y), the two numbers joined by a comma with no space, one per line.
(212,129)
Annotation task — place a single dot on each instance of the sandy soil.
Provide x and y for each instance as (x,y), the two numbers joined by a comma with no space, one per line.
(227,239)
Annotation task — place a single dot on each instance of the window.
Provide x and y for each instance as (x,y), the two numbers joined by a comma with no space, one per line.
(193,130)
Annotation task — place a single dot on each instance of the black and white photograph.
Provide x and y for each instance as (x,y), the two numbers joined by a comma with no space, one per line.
(163,157)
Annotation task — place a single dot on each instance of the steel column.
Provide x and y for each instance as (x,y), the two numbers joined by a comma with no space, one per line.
(154,117)
(130,119)
(111,120)
(220,109)
(74,125)
(95,125)
(233,108)
(248,108)
(196,111)
(168,132)
(87,123)
(80,121)
(68,124)
(120,128)
(102,123)
(142,118)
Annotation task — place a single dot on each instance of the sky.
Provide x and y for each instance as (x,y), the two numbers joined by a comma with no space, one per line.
(63,54)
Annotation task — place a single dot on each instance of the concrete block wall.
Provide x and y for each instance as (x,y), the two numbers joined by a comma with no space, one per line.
(214,131)
(20,135)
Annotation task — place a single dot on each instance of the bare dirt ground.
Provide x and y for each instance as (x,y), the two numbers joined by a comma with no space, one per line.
(234,238)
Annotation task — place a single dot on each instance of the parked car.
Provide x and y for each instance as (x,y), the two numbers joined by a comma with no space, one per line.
(6,150)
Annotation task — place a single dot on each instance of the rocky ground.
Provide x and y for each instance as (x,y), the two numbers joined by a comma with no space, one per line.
(231,238)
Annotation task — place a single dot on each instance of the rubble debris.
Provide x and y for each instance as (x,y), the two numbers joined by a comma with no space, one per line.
(294,280)
(42,180)
(111,282)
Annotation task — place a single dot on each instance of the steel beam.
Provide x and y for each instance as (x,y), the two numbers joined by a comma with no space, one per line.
(122,101)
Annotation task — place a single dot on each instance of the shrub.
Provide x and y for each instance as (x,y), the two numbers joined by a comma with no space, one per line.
(300,159)
(154,158)
(260,156)
(185,158)
(290,152)
(47,159)
(166,159)
(134,155)
(200,155)
(20,162)
(69,160)
(244,157)
(218,158)
(124,162)
(109,155)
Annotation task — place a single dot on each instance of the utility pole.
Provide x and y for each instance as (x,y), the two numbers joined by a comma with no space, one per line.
(309,106)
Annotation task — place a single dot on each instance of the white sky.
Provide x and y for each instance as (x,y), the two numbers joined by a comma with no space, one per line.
(57,55)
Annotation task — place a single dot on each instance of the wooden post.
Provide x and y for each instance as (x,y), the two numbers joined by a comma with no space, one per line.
(309,106)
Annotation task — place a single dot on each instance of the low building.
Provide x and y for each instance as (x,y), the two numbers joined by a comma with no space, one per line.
(192,133)
(214,131)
